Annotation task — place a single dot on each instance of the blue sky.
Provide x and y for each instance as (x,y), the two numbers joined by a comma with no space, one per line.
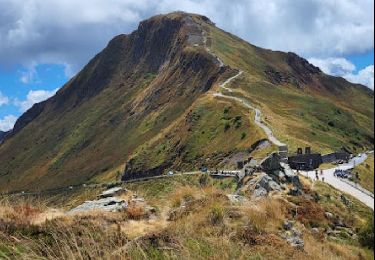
(44,43)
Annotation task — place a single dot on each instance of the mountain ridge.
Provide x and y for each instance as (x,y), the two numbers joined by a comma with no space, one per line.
(146,100)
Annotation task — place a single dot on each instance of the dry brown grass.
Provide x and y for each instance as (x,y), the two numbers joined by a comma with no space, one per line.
(209,227)
(136,212)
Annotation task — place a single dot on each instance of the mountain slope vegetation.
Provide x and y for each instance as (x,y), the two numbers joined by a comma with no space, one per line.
(146,101)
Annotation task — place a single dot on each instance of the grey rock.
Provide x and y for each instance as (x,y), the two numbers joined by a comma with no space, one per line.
(296,242)
(259,193)
(234,198)
(294,238)
(288,225)
(110,204)
(339,223)
(269,184)
(295,192)
(315,230)
(112,192)
(138,200)
(271,163)
(329,215)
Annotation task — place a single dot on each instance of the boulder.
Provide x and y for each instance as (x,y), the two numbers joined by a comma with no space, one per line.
(259,193)
(329,215)
(268,183)
(116,191)
(110,204)
(271,163)
(237,199)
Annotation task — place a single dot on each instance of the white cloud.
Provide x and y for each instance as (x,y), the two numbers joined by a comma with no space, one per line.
(364,77)
(28,76)
(4,100)
(7,122)
(344,68)
(33,97)
(70,32)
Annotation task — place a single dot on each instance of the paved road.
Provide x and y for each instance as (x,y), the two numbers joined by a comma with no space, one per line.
(343,186)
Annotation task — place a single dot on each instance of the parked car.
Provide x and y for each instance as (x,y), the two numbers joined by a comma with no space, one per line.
(341,174)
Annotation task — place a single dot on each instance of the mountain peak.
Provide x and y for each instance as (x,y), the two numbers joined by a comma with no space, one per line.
(153,99)
(180,15)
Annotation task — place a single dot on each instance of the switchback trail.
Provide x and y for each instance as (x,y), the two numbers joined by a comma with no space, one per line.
(258,114)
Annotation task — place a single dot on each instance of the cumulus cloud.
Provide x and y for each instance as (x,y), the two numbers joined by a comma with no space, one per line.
(70,32)
(7,122)
(33,97)
(364,77)
(343,68)
(4,100)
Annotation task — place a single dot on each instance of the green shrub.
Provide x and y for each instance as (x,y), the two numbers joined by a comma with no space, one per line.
(366,235)
(216,214)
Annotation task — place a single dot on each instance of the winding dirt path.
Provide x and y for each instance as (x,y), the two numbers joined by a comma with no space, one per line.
(258,114)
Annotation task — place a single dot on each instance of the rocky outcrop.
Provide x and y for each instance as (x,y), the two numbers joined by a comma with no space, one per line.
(3,135)
(116,191)
(292,235)
(111,204)
(262,185)
(271,163)
(281,173)
(301,67)
(28,117)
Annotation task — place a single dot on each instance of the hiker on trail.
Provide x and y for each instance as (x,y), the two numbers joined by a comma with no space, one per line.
(321,172)
(323,179)
(316,175)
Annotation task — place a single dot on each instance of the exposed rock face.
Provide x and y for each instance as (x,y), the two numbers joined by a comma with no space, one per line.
(281,173)
(271,163)
(262,185)
(302,67)
(2,136)
(156,44)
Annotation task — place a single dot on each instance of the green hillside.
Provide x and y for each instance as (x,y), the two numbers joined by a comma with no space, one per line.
(147,101)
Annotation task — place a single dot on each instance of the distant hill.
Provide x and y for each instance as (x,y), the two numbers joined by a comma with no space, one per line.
(147,101)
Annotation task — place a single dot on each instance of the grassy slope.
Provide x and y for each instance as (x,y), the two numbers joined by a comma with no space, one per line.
(211,129)
(300,117)
(208,227)
(366,173)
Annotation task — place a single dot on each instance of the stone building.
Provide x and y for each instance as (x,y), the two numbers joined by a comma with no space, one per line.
(336,156)
(305,161)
